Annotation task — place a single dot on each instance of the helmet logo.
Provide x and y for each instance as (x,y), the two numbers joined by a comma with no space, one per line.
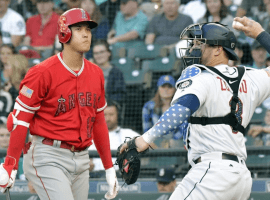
(62,23)
(83,14)
(232,45)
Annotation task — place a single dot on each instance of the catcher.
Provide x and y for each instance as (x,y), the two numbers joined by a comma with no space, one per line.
(215,103)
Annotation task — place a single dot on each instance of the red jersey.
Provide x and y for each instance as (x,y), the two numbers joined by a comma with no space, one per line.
(65,102)
(42,35)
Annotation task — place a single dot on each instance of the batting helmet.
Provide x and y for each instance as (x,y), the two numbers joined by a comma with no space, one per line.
(70,17)
(214,34)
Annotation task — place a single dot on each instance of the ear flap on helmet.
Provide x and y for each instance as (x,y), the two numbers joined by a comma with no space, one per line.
(64,32)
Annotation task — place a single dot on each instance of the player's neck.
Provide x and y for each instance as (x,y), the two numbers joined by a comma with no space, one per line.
(73,60)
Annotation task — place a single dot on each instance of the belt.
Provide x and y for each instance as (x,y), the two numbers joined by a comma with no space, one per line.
(63,145)
(224,157)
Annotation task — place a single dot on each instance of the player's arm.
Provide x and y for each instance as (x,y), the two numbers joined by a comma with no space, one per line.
(150,38)
(101,140)
(32,91)
(17,123)
(254,30)
(102,143)
(171,119)
(16,39)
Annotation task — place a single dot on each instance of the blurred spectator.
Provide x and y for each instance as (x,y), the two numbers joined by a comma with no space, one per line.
(129,26)
(103,28)
(116,133)
(4,136)
(264,19)
(66,5)
(218,12)
(258,53)
(41,29)
(17,67)
(195,9)
(153,109)
(166,28)
(109,9)
(12,24)
(151,8)
(166,181)
(26,8)
(115,87)
(1,41)
(267,62)
(6,50)
(231,7)
(263,130)
(6,105)
(250,8)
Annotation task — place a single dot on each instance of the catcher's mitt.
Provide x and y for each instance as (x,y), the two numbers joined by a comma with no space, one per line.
(129,162)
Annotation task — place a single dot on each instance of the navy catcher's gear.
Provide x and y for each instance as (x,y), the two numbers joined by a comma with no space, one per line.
(214,34)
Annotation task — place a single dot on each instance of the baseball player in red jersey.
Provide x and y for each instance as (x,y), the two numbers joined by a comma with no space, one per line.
(61,100)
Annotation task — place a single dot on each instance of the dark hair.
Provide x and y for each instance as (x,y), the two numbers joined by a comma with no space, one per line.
(9,45)
(111,102)
(222,13)
(97,15)
(267,59)
(104,43)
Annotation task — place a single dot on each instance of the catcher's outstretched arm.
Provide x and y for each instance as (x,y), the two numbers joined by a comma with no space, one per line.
(173,117)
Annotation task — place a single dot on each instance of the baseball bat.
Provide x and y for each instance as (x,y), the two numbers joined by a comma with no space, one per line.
(7,194)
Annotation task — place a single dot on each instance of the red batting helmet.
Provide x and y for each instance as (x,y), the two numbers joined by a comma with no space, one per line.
(70,17)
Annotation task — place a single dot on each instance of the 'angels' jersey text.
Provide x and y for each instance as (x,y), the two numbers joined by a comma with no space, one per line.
(65,102)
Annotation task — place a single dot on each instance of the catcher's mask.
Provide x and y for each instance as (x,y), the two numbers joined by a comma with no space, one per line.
(213,34)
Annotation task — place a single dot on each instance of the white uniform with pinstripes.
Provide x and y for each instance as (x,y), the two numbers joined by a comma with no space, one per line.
(214,178)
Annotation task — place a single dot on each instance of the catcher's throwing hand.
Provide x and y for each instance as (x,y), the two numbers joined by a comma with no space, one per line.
(140,144)
(250,27)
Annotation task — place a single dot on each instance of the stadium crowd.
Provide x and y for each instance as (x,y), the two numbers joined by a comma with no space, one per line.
(135,45)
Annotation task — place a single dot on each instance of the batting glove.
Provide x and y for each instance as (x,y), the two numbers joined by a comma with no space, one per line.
(113,183)
(6,181)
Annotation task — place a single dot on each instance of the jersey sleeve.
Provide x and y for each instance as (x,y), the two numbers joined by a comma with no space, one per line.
(101,99)
(18,26)
(28,27)
(32,90)
(197,86)
(261,78)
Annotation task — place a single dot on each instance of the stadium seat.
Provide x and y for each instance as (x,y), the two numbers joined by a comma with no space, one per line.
(138,77)
(118,52)
(258,116)
(147,52)
(250,141)
(133,75)
(28,51)
(260,159)
(124,64)
(34,61)
(163,64)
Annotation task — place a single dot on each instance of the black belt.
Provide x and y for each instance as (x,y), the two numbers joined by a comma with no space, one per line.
(225,156)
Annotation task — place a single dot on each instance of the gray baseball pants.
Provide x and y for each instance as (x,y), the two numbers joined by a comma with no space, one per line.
(57,173)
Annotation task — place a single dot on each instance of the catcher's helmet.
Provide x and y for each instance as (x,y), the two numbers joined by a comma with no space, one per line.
(213,34)
(70,17)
